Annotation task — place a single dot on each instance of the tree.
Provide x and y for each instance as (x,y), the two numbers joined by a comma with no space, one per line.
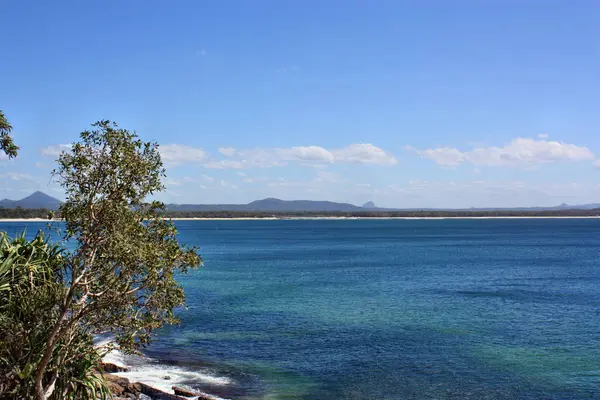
(6,143)
(31,286)
(121,276)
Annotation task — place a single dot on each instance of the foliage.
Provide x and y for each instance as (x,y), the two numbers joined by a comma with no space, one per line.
(20,212)
(121,276)
(31,286)
(6,142)
(43,213)
(384,214)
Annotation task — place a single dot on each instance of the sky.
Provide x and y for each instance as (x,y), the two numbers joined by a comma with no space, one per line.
(469,103)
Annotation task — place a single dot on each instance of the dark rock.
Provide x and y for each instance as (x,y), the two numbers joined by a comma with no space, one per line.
(116,384)
(117,379)
(115,389)
(191,393)
(203,396)
(167,378)
(135,388)
(112,368)
(184,392)
(121,388)
(157,394)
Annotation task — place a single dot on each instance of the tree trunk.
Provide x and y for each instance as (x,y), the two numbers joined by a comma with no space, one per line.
(40,392)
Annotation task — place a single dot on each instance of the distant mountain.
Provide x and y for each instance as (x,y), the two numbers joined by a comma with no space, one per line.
(369,205)
(270,205)
(35,200)
(277,205)
(42,200)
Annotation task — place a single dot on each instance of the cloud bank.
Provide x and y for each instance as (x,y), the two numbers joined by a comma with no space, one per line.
(520,152)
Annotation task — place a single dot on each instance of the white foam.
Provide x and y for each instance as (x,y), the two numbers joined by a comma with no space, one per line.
(154,375)
(145,370)
(114,356)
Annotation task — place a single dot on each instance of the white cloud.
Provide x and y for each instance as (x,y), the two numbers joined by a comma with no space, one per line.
(256,179)
(443,155)
(15,176)
(597,163)
(520,152)
(249,158)
(364,153)
(227,151)
(543,136)
(55,150)
(226,164)
(488,193)
(207,178)
(305,155)
(175,154)
(187,180)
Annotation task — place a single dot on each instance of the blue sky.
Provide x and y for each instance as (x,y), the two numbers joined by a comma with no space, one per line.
(406,103)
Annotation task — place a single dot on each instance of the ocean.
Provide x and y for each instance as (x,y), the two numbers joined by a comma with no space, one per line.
(385,309)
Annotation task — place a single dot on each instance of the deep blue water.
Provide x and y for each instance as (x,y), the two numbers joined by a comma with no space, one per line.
(392,309)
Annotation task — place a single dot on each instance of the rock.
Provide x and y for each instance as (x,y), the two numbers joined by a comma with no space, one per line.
(157,394)
(116,384)
(134,388)
(115,388)
(167,378)
(184,392)
(112,368)
(117,379)
(121,388)
(204,396)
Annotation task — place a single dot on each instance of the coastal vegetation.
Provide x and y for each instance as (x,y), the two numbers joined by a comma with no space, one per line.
(18,213)
(113,273)
(384,214)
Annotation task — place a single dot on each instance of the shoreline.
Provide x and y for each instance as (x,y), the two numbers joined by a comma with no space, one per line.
(160,381)
(377,218)
(328,218)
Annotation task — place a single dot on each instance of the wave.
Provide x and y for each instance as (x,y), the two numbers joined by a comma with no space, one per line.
(160,376)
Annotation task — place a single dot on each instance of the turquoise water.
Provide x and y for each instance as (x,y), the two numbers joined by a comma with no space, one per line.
(391,309)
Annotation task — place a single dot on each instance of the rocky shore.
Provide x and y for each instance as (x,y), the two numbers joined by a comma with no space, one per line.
(122,389)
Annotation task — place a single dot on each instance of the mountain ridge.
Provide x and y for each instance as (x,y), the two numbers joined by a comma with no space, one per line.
(39,199)
(271,204)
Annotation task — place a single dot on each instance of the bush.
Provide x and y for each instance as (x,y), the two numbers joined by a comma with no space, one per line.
(31,286)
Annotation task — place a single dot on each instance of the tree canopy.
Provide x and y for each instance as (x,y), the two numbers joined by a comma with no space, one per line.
(6,142)
(119,279)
